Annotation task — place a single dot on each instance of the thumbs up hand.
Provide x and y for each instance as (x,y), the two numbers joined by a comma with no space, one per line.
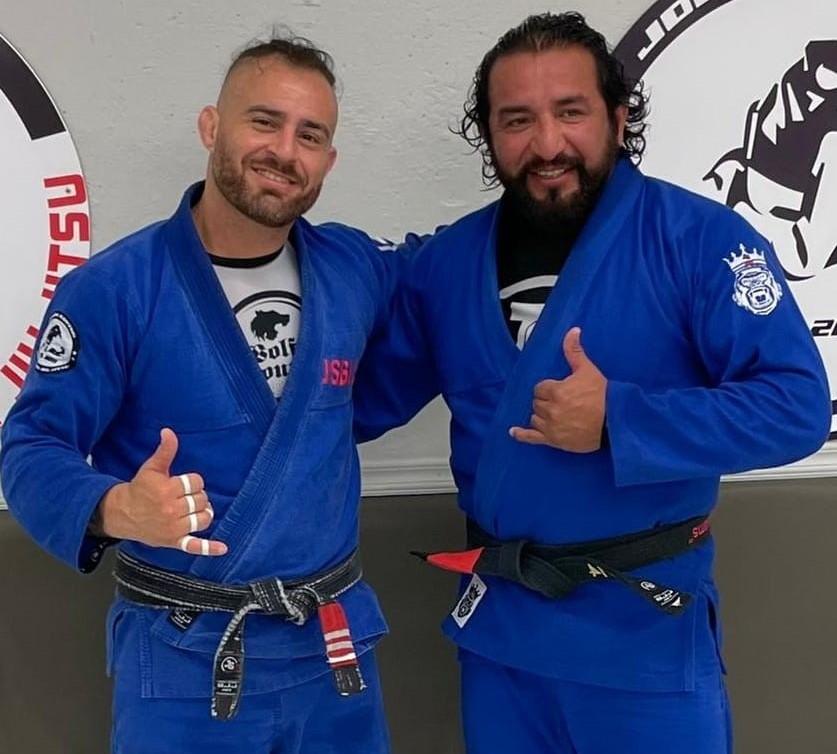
(158,509)
(568,414)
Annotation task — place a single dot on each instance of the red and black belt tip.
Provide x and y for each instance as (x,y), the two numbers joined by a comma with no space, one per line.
(464,561)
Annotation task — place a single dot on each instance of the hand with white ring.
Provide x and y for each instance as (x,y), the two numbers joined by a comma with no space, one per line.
(158,509)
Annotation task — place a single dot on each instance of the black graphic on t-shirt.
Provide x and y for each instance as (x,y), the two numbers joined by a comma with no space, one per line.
(529,261)
(265,325)
(270,322)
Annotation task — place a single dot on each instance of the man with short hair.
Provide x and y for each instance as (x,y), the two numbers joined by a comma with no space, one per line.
(205,365)
(608,346)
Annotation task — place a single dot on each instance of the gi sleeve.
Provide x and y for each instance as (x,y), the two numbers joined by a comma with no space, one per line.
(397,375)
(73,390)
(764,400)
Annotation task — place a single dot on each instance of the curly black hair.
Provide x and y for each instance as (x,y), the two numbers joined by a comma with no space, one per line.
(542,32)
(296,50)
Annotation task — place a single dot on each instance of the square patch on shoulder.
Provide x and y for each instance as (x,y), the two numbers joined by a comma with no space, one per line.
(59,345)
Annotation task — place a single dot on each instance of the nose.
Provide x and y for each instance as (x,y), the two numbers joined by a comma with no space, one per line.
(549,140)
(283,145)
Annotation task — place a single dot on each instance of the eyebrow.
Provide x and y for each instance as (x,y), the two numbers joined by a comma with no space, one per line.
(575,99)
(279,115)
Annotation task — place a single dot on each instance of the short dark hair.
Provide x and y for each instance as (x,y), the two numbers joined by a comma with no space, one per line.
(543,32)
(295,50)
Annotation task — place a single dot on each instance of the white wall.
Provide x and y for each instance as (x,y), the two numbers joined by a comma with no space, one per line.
(130,78)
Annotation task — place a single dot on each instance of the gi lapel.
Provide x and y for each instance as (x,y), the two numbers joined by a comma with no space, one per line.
(202,288)
(278,423)
(536,362)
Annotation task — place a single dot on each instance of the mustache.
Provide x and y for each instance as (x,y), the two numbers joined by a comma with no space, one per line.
(556,163)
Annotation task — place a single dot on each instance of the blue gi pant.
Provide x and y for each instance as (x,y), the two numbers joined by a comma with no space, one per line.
(308,718)
(508,710)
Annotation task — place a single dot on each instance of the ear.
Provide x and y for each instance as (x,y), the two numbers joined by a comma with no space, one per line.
(332,158)
(208,126)
(620,118)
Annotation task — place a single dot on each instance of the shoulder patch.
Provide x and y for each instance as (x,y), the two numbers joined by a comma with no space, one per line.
(59,345)
(755,288)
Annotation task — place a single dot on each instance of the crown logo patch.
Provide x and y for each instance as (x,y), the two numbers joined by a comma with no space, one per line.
(755,288)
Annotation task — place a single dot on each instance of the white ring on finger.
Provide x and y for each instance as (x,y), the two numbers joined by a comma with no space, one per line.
(193,522)
(190,501)
(187,485)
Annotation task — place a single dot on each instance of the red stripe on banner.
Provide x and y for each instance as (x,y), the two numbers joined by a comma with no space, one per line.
(25,350)
(32,331)
(459,562)
(19,363)
(12,376)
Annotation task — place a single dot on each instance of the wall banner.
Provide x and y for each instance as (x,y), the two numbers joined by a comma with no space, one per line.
(44,213)
(744,111)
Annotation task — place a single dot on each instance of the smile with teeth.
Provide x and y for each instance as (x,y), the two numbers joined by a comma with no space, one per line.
(275,177)
(550,173)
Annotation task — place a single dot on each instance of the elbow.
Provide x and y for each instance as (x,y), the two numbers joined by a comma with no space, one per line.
(812,423)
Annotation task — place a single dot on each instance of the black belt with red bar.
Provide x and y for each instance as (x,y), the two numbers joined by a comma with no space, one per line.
(294,600)
(555,570)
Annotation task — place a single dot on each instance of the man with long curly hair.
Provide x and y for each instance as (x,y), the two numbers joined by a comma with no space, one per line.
(588,472)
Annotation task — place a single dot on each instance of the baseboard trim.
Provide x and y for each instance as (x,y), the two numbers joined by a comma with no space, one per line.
(429,476)
(421,476)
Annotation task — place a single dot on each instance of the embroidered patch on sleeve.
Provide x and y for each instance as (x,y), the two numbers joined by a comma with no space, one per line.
(464,609)
(59,345)
(755,288)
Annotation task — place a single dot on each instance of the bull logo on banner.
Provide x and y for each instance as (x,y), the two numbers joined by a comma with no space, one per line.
(753,126)
(43,212)
(783,175)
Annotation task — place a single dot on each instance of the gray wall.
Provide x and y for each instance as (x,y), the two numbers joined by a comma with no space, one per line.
(131,77)
(774,568)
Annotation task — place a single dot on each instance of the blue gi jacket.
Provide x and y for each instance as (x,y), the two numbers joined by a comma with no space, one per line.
(710,370)
(158,345)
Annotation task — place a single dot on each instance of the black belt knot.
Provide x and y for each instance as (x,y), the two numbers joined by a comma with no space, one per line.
(555,570)
(296,605)
(294,600)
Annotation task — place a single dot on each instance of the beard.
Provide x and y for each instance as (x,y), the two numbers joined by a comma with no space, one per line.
(261,206)
(557,214)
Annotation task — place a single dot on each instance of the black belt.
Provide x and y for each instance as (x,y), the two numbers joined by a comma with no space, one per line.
(555,570)
(294,600)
